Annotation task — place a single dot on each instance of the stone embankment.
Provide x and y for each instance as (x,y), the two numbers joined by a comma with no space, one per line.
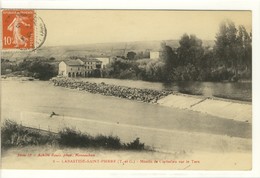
(144,95)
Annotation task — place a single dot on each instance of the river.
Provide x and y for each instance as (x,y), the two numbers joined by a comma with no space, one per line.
(43,97)
(185,133)
(230,90)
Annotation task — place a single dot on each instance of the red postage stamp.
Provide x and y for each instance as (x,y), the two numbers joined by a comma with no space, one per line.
(18,29)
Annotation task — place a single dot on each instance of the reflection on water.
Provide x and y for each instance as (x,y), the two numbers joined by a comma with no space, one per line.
(237,91)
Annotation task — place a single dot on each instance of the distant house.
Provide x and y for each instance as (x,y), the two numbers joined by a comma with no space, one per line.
(104,60)
(155,54)
(80,67)
(8,70)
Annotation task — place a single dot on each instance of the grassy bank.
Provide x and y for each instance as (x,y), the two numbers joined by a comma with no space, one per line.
(15,135)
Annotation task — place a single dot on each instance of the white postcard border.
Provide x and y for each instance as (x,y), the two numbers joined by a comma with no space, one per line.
(253,5)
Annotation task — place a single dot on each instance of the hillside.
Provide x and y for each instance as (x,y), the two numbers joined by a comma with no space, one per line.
(98,49)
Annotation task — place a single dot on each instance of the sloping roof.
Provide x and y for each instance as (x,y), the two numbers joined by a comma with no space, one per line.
(90,60)
(156,51)
(102,56)
(73,63)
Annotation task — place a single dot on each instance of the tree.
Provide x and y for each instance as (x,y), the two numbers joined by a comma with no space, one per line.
(169,58)
(190,50)
(42,70)
(142,54)
(244,47)
(233,47)
(96,73)
(226,44)
(167,54)
(131,55)
(155,71)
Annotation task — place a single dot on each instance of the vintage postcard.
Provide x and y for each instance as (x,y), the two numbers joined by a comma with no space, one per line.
(126,90)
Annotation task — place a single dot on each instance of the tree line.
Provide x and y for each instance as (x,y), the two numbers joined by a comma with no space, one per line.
(230,59)
(42,69)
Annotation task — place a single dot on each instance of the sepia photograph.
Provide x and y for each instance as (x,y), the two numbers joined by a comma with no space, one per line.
(126,89)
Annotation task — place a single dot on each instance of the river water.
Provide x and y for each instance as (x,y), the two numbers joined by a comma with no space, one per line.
(43,97)
(231,90)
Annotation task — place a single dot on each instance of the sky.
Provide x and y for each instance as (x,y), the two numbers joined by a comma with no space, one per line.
(75,27)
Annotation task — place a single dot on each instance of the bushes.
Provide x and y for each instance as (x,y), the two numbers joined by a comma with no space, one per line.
(41,69)
(127,74)
(135,145)
(71,138)
(15,135)
(109,142)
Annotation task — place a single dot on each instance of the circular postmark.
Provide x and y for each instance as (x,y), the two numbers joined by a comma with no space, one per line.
(40,32)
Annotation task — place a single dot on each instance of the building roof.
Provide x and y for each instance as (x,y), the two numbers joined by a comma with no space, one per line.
(90,60)
(78,61)
(101,56)
(155,51)
(73,63)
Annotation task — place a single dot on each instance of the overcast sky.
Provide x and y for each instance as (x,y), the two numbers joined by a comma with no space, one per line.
(73,27)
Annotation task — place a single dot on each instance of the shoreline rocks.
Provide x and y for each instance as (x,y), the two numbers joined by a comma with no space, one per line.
(144,95)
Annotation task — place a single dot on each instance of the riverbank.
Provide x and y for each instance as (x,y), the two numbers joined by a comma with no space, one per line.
(202,137)
(200,149)
(178,133)
(224,108)
(144,95)
(16,135)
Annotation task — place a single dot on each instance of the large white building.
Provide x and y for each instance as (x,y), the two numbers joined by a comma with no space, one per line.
(79,67)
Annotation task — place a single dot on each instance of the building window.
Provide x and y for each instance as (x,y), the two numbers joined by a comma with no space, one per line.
(85,67)
(78,68)
(71,68)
